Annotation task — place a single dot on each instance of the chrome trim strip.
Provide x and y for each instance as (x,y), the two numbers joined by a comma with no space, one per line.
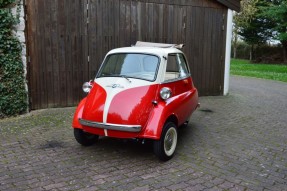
(110,126)
(176,79)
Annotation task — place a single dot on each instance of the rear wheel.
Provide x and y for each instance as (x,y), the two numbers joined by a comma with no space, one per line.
(84,138)
(165,147)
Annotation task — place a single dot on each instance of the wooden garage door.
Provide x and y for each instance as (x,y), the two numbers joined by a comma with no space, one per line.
(68,39)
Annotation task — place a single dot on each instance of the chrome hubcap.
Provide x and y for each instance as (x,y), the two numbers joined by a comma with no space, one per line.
(170,141)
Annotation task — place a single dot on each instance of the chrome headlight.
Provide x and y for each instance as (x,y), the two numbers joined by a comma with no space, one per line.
(165,93)
(87,86)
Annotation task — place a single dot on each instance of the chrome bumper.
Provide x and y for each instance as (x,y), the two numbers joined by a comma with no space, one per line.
(110,126)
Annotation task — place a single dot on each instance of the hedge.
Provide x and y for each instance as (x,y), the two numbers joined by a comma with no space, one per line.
(13,96)
(271,54)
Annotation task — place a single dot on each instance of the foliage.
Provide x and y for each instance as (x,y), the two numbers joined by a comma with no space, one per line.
(265,71)
(5,3)
(256,33)
(260,21)
(258,29)
(249,9)
(271,54)
(242,21)
(13,94)
(276,11)
(242,50)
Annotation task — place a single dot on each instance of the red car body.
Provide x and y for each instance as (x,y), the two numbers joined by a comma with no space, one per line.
(130,107)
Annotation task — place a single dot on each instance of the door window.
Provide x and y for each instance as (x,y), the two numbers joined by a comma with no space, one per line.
(176,67)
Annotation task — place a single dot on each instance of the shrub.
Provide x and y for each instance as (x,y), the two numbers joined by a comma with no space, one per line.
(13,96)
(271,54)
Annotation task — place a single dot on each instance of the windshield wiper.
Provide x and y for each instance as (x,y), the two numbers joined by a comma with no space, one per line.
(126,78)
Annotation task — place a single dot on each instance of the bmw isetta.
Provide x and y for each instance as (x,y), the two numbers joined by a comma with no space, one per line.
(143,92)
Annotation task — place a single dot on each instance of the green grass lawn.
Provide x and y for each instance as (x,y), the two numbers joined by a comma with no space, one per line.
(265,71)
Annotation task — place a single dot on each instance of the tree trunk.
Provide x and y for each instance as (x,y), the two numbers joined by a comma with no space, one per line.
(235,43)
(284,43)
(251,52)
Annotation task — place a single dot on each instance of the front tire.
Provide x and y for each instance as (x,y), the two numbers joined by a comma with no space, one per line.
(165,147)
(84,138)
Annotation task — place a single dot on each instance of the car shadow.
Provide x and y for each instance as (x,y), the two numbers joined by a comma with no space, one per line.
(131,148)
(115,148)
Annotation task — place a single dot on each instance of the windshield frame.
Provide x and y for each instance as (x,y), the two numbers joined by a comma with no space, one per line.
(126,76)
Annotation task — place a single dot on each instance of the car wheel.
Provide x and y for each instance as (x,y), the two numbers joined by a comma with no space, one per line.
(165,147)
(84,138)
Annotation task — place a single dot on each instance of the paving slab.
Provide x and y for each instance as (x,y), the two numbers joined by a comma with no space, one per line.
(234,142)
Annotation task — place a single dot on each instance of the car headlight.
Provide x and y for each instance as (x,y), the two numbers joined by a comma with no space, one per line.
(165,93)
(87,86)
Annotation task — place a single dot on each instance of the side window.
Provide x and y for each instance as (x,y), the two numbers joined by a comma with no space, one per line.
(172,65)
(183,71)
(176,67)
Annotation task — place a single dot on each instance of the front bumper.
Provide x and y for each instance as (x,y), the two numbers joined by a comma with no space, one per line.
(110,126)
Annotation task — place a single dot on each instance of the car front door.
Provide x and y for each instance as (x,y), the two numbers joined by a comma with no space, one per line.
(178,79)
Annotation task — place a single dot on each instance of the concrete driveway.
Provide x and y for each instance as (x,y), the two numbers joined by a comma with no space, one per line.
(236,142)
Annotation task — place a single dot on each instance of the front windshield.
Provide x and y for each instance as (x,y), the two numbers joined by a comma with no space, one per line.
(130,65)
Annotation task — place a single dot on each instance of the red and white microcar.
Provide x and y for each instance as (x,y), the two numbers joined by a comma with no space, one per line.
(142,92)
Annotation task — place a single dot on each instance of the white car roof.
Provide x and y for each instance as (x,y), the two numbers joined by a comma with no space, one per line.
(147,50)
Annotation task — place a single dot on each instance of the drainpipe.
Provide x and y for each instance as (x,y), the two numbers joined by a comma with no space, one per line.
(228,51)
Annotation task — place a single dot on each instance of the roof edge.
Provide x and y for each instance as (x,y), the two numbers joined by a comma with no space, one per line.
(231,4)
